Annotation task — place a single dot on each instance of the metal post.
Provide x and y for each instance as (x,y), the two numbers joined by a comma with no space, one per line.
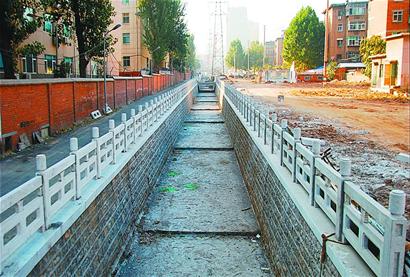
(105,76)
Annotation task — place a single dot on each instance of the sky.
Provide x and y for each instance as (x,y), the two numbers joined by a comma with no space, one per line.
(275,14)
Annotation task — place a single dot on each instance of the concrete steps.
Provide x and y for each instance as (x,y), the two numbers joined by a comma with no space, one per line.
(199,220)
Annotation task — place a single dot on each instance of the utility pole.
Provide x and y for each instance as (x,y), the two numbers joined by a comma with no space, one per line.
(326,41)
(264,46)
(218,61)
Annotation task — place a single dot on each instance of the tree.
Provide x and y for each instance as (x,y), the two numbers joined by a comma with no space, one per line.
(191,61)
(255,52)
(304,40)
(368,47)
(331,70)
(235,56)
(164,29)
(17,22)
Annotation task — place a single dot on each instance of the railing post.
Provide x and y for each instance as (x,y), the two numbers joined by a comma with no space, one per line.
(254,119)
(283,125)
(96,135)
(134,125)
(264,132)
(111,127)
(316,155)
(73,150)
(296,137)
(392,257)
(156,105)
(146,115)
(124,121)
(274,120)
(41,166)
(259,124)
(152,111)
(345,172)
(141,119)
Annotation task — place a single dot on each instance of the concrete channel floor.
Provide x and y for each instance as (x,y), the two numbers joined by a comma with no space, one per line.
(19,168)
(198,220)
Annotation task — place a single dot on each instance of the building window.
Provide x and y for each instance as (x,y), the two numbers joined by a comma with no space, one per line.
(353,41)
(126,2)
(306,78)
(338,57)
(126,38)
(29,64)
(357,26)
(1,63)
(339,42)
(340,13)
(340,27)
(50,63)
(126,61)
(48,25)
(357,9)
(353,56)
(397,16)
(125,18)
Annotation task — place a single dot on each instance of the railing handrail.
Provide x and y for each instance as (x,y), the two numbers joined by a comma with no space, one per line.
(63,182)
(376,233)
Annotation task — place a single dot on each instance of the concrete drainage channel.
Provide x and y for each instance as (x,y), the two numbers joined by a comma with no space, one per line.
(198,220)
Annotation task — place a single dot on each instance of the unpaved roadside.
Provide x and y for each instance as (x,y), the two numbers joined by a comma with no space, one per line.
(370,132)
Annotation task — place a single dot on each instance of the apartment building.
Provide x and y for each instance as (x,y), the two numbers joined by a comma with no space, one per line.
(269,52)
(346,26)
(278,61)
(44,64)
(130,55)
(388,17)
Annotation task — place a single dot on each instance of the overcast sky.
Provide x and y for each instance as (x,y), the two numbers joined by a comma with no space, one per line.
(275,14)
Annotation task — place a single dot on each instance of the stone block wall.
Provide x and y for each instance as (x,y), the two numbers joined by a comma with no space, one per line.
(100,236)
(291,246)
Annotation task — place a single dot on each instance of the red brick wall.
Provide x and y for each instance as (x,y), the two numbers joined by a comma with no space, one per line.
(120,93)
(85,99)
(61,106)
(398,27)
(27,107)
(24,109)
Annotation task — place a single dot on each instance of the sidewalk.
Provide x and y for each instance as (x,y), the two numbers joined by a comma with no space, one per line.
(21,167)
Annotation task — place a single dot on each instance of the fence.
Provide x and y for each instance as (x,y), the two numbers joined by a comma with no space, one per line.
(377,234)
(32,206)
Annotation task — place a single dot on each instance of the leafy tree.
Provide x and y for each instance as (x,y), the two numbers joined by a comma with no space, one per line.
(371,46)
(304,40)
(191,61)
(165,31)
(255,52)
(235,56)
(17,22)
(331,70)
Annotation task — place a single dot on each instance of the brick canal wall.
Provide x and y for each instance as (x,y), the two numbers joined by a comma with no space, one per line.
(27,106)
(92,245)
(290,244)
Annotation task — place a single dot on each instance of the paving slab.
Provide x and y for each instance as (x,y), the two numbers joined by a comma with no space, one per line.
(205,117)
(201,94)
(204,135)
(213,106)
(201,192)
(195,255)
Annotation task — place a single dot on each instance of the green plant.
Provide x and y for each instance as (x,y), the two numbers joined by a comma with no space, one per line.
(331,68)
(368,47)
(304,40)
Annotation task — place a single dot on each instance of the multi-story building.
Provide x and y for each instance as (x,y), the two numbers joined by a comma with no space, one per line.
(346,26)
(130,54)
(55,52)
(269,52)
(278,61)
(388,17)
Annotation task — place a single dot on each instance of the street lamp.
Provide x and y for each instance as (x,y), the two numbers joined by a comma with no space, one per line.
(106,108)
